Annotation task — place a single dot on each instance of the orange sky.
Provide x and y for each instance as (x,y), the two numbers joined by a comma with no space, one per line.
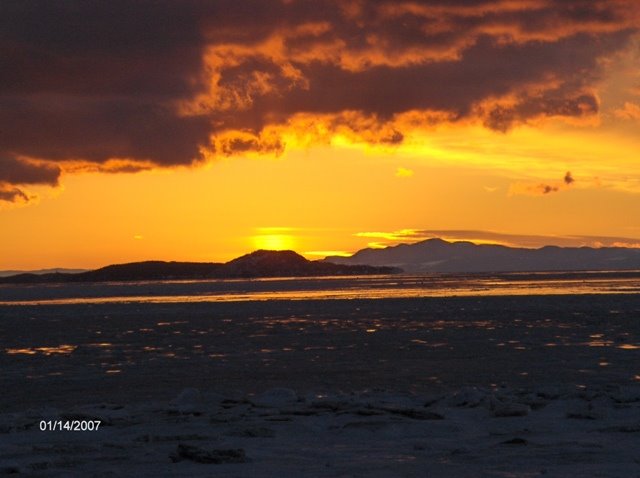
(324,130)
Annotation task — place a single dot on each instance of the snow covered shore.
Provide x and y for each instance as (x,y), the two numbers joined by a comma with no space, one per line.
(472,432)
(447,387)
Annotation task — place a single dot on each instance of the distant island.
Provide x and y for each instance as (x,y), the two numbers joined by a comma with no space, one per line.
(254,265)
(439,256)
(8,273)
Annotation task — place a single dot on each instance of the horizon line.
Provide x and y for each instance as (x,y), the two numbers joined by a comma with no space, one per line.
(71,270)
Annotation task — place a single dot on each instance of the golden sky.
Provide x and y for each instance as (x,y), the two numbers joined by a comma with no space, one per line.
(200,132)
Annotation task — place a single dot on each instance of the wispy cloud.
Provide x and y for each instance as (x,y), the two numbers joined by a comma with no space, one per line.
(541,189)
(630,111)
(404,172)
(327,253)
(392,236)
(275,230)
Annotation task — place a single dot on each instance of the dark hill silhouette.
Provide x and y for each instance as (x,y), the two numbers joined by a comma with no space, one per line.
(437,255)
(150,269)
(291,264)
(256,264)
(267,263)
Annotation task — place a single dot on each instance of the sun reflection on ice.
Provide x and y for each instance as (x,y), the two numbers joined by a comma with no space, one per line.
(63,349)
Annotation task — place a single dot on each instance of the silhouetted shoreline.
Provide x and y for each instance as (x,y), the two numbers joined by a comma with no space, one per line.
(256,264)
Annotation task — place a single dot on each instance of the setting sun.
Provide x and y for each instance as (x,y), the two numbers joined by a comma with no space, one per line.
(274,242)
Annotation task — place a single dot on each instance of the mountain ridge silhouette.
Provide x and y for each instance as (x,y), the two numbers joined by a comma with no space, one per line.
(438,255)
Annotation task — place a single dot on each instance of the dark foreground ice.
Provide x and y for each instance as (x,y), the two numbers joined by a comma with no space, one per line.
(471,386)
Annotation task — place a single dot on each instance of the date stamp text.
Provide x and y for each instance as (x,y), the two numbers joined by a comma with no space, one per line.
(69,425)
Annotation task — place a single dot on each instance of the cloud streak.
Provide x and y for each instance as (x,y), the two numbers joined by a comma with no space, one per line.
(542,189)
(175,82)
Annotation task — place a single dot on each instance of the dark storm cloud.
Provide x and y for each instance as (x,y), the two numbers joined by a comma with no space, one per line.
(485,70)
(99,128)
(93,47)
(14,171)
(158,81)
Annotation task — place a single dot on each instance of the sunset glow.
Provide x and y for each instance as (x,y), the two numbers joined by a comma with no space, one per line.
(274,242)
(358,124)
